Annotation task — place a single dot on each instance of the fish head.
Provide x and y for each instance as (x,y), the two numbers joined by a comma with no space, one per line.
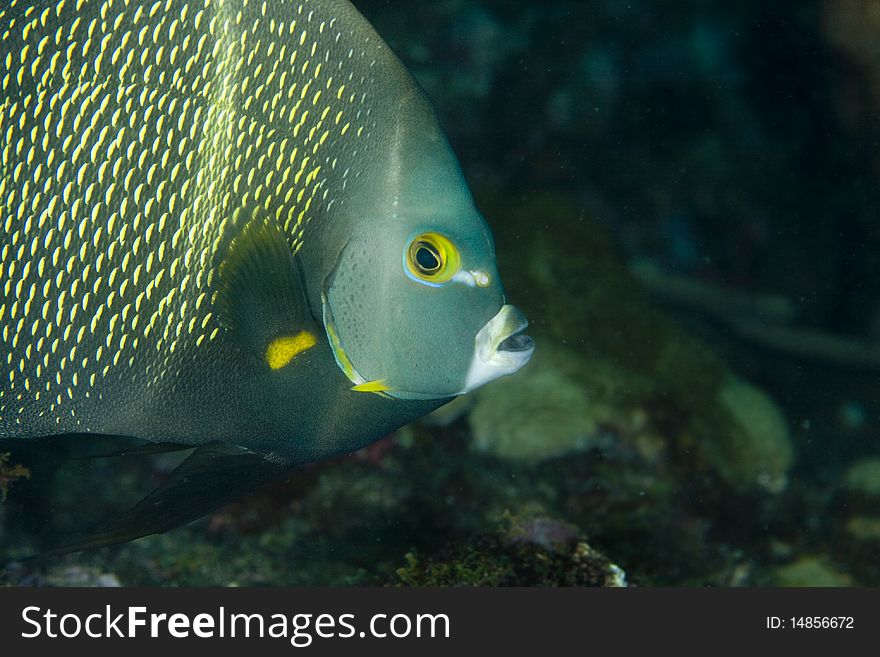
(415,309)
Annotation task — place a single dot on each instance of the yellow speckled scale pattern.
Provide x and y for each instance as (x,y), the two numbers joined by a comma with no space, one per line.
(131,132)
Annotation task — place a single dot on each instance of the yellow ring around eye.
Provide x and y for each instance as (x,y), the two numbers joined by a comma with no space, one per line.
(433,258)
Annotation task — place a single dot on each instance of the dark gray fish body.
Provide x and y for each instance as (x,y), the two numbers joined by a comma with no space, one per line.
(217,218)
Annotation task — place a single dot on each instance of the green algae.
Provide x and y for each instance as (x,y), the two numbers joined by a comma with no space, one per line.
(863,478)
(811,571)
(756,452)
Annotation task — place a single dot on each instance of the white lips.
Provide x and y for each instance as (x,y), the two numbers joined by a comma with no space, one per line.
(490,363)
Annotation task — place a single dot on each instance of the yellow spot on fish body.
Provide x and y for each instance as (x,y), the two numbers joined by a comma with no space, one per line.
(283,350)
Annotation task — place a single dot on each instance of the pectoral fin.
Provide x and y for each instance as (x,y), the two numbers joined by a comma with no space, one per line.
(260,295)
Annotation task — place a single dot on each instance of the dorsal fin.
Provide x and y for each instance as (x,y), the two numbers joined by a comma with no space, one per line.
(260,296)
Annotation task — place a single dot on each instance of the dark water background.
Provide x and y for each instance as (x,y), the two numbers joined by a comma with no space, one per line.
(685,197)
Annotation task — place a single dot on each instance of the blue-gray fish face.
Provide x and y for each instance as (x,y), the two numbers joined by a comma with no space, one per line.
(413,304)
(415,307)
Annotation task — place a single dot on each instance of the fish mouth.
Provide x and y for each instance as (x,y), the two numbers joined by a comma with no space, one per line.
(500,348)
(518,341)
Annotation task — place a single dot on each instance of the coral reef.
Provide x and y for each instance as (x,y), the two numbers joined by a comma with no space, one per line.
(534,552)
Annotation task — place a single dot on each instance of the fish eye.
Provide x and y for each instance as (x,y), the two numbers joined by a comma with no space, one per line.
(427,259)
(432,258)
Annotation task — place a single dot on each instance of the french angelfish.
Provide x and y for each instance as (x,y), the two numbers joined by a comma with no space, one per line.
(233,226)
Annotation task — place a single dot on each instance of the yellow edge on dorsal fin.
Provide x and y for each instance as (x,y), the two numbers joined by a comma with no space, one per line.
(371,386)
(282,350)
